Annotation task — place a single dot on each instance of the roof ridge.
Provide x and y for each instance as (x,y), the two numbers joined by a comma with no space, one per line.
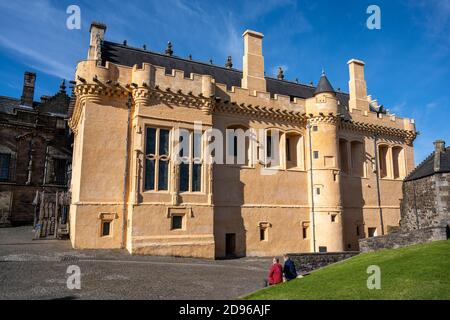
(420,165)
(304,85)
(8,97)
(173,57)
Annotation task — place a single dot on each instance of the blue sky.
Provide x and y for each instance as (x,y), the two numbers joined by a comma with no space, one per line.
(407,61)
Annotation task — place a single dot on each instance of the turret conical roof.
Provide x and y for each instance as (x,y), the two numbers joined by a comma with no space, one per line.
(324,85)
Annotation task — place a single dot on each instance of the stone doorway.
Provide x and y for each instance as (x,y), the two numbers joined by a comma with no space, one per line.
(230,245)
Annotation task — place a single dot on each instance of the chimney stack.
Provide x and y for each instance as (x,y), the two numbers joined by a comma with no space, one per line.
(357,86)
(29,80)
(253,67)
(439,148)
(97,36)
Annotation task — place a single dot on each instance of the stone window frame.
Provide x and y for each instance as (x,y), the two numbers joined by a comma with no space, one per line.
(268,155)
(193,160)
(282,164)
(264,226)
(348,168)
(318,189)
(8,157)
(299,164)
(12,163)
(401,162)
(306,228)
(389,161)
(157,158)
(248,146)
(184,212)
(334,217)
(105,217)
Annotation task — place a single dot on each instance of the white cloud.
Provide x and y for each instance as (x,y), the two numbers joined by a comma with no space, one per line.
(38,37)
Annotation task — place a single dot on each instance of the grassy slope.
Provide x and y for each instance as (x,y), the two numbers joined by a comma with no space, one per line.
(416,272)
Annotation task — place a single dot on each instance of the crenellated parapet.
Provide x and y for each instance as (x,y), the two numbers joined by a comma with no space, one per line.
(373,129)
(239,95)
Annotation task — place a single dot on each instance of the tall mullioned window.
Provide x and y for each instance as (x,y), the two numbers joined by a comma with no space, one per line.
(191,165)
(157,159)
(5,160)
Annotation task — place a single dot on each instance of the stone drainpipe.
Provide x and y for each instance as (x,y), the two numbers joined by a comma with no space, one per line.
(126,174)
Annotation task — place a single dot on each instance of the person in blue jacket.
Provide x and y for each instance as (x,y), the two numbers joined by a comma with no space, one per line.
(289,270)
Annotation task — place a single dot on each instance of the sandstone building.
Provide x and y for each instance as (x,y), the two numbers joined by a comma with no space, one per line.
(321,195)
(35,150)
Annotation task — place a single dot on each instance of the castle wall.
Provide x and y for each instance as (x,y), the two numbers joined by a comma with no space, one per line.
(426,202)
(98,176)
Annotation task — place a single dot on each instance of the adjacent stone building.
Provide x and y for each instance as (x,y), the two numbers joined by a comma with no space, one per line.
(326,189)
(425,207)
(426,192)
(35,150)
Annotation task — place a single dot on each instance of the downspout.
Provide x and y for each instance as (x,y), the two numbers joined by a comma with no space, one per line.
(377,170)
(126,173)
(312,187)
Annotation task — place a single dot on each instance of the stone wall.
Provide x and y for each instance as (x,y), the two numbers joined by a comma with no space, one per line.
(307,262)
(443,199)
(403,239)
(426,202)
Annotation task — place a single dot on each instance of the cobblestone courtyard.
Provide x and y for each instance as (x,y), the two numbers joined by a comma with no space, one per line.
(37,269)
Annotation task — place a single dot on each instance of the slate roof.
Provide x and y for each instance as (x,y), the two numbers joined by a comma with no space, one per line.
(129,56)
(426,168)
(8,104)
(56,105)
(324,85)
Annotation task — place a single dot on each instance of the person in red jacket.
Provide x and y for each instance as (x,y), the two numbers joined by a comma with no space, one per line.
(276,272)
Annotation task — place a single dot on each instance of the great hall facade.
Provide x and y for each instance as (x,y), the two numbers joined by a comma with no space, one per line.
(341,158)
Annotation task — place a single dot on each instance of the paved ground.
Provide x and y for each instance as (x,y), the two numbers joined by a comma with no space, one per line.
(37,269)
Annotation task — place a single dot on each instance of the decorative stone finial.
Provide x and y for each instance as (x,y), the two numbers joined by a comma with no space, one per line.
(62,87)
(169,48)
(229,63)
(280,75)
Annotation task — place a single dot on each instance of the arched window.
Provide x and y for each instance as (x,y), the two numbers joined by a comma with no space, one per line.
(157,159)
(272,148)
(7,164)
(383,154)
(191,161)
(237,145)
(357,158)
(294,150)
(343,155)
(398,162)
(5,160)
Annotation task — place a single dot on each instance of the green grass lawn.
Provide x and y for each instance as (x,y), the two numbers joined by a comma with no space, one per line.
(416,272)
